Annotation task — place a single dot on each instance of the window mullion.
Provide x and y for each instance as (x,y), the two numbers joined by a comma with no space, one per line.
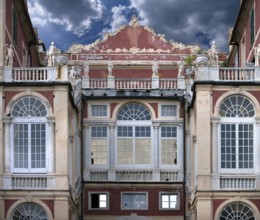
(237,146)
(29,147)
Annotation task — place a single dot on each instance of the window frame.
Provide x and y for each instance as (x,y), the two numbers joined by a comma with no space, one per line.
(99,105)
(134,194)
(252,26)
(98,193)
(235,110)
(107,145)
(30,120)
(169,194)
(14,26)
(236,122)
(170,138)
(134,123)
(162,105)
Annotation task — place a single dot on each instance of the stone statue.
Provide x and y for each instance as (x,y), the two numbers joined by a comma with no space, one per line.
(86,68)
(110,67)
(155,68)
(213,54)
(181,68)
(50,54)
(9,56)
(257,55)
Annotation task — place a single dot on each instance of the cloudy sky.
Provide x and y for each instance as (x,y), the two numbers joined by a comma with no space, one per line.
(84,21)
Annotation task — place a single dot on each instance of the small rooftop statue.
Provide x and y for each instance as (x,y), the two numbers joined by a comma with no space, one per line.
(257,55)
(50,54)
(155,68)
(213,54)
(9,55)
(110,67)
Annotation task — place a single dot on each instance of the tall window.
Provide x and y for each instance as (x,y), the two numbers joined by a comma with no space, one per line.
(133,134)
(252,27)
(237,134)
(14,27)
(237,211)
(99,145)
(29,210)
(29,135)
(169,145)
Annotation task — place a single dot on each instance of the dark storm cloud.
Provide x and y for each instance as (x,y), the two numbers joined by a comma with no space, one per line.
(186,21)
(190,21)
(74,16)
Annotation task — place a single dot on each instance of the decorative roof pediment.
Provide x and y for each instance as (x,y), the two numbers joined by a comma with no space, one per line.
(133,38)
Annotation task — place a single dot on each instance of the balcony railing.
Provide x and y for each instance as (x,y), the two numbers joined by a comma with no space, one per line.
(133,84)
(32,182)
(139,176)
(133,176)
(237,183)
(237,74)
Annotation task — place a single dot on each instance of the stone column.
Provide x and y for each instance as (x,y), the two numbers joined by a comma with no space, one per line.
(86,152)
(51,143)
(7,145)
(112,153)
(180,152)
(215,153)
(156,152)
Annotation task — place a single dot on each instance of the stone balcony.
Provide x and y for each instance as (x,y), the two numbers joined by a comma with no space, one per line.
(227,74)
(202,73)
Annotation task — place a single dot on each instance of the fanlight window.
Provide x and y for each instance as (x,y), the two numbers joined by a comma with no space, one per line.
(133,111)
(236,211)
(29,106)
(236,106)
(30,211)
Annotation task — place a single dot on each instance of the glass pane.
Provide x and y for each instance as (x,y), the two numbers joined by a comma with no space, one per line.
(236,106)
(99,110)
(168,110)
(29,106)
(133,111)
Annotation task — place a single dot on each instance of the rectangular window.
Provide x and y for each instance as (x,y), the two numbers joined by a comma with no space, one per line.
(168,110)
(134,144)
(137,201)
(169,201)
(98,200)
(98,110)
(237,146)
(99,145)
(169,145)
(29,147)
(14,27)
(252,27)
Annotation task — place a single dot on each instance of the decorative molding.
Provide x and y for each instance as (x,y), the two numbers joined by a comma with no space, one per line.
(78,48)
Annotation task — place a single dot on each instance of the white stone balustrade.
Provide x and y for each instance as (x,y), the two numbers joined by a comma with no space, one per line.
(134,175)
(237,183)
(26,74)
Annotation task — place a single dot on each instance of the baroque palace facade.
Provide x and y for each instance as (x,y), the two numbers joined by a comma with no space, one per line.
(131,126)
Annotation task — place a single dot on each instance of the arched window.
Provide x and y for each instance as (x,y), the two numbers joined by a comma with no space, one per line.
(236,106)
(29,135)
(134,134)
(236,134)
(236,211)
(30,211)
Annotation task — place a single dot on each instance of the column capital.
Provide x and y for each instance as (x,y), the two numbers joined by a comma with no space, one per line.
(50,119)
(156,125)
(7,119)
(112,125)
(214,120)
